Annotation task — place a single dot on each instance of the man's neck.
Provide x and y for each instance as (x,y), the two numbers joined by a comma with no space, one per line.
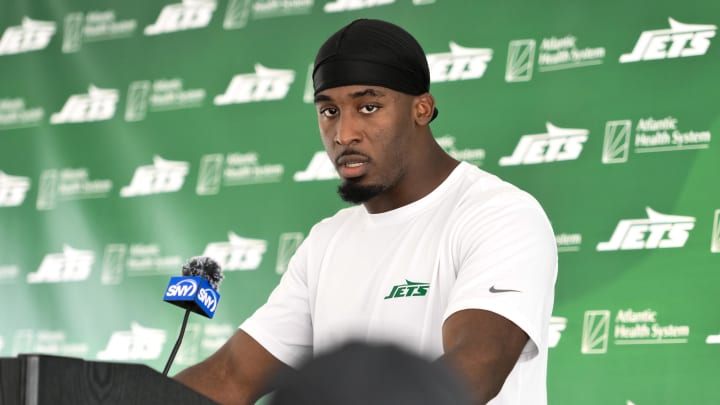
(419,182)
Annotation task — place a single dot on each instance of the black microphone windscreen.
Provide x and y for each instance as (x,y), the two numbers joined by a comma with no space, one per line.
(205,267)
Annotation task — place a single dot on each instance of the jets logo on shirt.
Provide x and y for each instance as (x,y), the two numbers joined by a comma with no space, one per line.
(680,41)
(32,35)
(460,63)
(190,14)
(556,145)
(658,231)
(409,289)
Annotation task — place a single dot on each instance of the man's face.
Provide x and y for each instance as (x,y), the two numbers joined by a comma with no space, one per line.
(367,133)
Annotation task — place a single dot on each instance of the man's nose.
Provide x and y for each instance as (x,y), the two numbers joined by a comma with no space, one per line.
(349,130)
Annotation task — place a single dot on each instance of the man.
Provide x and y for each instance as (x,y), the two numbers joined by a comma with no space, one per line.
(440,258)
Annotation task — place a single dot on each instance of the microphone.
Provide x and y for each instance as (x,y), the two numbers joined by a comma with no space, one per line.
(196,291)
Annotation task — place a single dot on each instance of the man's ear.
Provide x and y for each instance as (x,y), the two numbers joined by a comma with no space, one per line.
(424,107)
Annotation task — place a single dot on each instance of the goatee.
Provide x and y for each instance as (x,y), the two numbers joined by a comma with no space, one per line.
(357,193)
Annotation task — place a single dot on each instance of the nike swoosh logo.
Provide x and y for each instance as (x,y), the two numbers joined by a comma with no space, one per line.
(497,290)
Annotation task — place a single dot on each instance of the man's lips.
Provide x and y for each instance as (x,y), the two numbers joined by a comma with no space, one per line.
(351,165)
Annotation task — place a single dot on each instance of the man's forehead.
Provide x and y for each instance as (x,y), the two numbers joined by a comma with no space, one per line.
(353,92)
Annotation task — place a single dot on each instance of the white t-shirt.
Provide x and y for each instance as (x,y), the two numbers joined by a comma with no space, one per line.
(395,277)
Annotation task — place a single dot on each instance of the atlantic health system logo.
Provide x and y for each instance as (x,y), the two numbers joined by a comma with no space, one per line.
(568,242)
(59,185)
(15,114)
(136,259)
(160,95)
(234,169)
(288,244)
(629,327)
(554,54)
(93,27)
(649,135)
(238,12)
(715,243)
(48,341)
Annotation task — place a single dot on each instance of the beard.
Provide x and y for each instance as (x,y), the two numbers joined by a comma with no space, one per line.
(356,193)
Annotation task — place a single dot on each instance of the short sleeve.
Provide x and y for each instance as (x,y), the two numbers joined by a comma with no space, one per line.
(283,325)
(507,264)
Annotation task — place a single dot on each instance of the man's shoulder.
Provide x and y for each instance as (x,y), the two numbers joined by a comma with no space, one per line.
(481,187)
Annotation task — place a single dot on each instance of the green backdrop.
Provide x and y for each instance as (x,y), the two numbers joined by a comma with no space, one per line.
(135,134)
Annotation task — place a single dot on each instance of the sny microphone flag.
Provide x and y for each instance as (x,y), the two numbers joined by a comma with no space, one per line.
(193,293)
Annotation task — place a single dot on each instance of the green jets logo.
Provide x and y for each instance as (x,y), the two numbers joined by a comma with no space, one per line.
(410,289)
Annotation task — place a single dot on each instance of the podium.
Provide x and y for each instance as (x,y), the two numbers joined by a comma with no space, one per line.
(37,379)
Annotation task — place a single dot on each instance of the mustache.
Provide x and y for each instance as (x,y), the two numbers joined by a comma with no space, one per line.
(350,152)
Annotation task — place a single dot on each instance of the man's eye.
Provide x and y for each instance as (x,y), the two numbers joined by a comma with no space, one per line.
(369,108)
(328,112)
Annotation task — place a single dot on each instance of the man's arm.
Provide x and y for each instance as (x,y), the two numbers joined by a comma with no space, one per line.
(482,347)
(237,373)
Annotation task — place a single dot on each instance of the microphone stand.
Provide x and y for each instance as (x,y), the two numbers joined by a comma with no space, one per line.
(177,343)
